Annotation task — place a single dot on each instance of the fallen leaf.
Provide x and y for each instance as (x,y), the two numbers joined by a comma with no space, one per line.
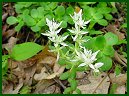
(58,69)
(120,90)
(80,75)
(118,58)
(48,60)
(41,85)
(113,28)
(121,79)
(42,75)
(99,85)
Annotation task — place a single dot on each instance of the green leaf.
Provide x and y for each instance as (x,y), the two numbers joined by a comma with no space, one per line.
(103,22)
(34,13)
(100,42)
(111,38)
(108,16)
(19,26)
(41,12)
(64,76)
(78,91)
(61,61)
(25,90)
(124,25)
(60,10)
(107,63)
(42,22)
(117,70)
(24,51)
(29,20)
(113,88)
(67,90)
(69,10)
(93,32)
(36,28)
(109,51)
(4,64)
(73,84)
(73,73)
(63,24)
(12,20)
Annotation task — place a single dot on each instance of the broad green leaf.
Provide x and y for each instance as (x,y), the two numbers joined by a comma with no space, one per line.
(25,90)
(60,10)
(42,22)
(63,24)
(73,73)
(73,84)
(4,64)
(34,13)
(111,38)
(29,20)
(100,42)
(97,16)
(107,63)
(117,70)
(64,76)
(103,22)
(109,51)
(69,10)
(25,51)
(108,16)
(12,20)
(53,5)
(41,12)
(19,26)
(78,91)
(67,90)
(113,88)
(36,28)
(93,32)
(124,25)
(61,61)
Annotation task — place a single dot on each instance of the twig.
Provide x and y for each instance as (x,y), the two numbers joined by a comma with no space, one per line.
(55,79)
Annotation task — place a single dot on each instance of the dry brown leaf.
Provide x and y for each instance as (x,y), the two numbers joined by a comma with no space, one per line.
(120,79)
(41,75)
(80,75)
(41,85)
(117,58)
(48,60)
(12,41)
(120,90)
(29,73)
(96,84)
(52,76)
(58,69)
(114,29)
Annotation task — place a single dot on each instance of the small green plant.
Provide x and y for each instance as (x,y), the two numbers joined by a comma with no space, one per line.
(20,52)
(84,53)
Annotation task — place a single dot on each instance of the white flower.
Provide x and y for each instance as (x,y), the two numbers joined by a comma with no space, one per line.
(52,24)
(96,66)
(77,18)
(88,58)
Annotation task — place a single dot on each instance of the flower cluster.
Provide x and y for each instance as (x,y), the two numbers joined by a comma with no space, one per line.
(88,58)
(79,23)
(53,33)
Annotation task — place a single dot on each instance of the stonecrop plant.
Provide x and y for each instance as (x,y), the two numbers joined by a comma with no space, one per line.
(75,56)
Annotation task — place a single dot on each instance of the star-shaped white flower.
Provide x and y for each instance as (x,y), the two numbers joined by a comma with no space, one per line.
(87,57)
(77,18)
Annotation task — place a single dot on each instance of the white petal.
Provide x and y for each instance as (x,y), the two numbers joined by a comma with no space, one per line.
(58,31)
(94,55)
(96,70)
(86,22)
(98,65)
(65,37)
(82,64)
(63,44)
(91,66)
(46,34)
